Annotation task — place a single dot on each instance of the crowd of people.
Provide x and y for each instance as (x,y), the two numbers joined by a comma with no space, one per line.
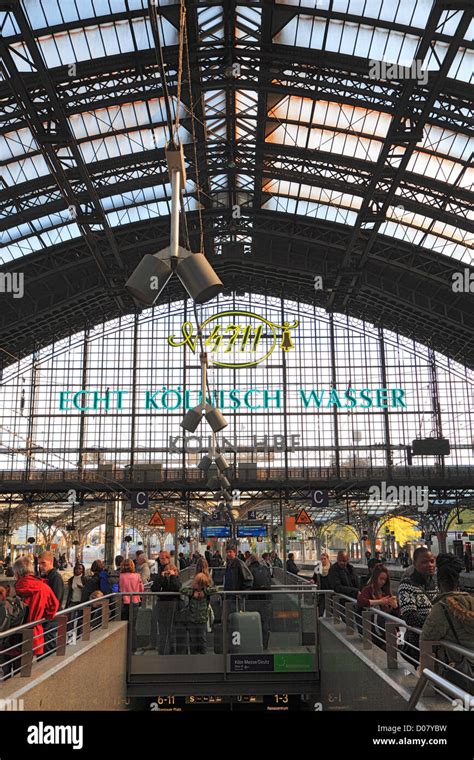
(179,619)
(428,598)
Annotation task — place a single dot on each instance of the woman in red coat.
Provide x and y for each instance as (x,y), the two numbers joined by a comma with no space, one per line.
(38,597)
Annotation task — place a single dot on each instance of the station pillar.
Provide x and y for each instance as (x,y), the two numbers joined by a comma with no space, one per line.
(113,530)
(442,546)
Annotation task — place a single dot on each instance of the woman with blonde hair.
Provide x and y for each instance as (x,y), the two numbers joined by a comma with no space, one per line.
(321,580)
(202,566)
(198,611)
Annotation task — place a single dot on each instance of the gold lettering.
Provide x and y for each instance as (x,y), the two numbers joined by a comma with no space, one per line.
(233,338)
(214,338)
(187,332)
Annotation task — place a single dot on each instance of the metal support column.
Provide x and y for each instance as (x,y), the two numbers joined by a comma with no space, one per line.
(113,529)
(386,419)
(333,385)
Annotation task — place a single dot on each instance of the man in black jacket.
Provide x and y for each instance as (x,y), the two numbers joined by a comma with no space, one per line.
(53,577)
(237,576)
(342,578)
(56,584)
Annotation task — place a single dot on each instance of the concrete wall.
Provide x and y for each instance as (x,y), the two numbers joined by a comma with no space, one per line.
(91,676)
(352,679)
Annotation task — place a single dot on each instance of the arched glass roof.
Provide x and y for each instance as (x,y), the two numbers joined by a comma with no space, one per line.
(351,118)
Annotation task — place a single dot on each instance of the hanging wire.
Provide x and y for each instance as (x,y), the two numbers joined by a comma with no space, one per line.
(157,26)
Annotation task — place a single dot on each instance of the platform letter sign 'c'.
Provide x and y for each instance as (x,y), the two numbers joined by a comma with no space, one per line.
(320,498)
(139,500)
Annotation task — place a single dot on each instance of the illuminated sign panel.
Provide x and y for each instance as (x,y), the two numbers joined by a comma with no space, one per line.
(251,531)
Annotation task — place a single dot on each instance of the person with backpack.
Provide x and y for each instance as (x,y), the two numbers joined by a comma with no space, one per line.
(13,612)
(114,575)
(261,603)
(37,596)
(197,611)
(452,618)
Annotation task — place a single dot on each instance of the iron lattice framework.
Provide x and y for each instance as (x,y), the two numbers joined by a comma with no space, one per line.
(300,162)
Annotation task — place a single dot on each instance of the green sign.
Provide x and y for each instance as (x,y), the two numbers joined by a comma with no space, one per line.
(293,663)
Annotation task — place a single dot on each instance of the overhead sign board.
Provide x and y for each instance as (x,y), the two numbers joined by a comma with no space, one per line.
(251,531)
(216,531)
(139,500)
(320,498)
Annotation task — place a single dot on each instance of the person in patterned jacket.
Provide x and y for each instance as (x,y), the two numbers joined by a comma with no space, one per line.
(415,597)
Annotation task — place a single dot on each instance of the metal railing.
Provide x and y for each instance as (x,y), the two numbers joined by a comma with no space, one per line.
(164,474)
(68,626)
(443,685)
(387,637)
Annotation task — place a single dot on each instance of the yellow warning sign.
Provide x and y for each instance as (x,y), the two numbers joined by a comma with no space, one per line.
(156,520)
(303,518)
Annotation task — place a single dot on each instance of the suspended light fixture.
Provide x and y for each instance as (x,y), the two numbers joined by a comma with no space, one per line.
(223,481)
(192,418)
(213,483)
(150,277)
(198,277)
(153,272)
(215,418)
(222,463)
(205,463)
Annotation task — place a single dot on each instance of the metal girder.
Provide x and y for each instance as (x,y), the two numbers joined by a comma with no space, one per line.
(412,114)
(441,202)
(316,247)
(52,132)
(334,77)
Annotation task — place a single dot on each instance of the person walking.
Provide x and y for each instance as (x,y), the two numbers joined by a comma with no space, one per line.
(261,603)
(53,578)
(291,566)
(341,576)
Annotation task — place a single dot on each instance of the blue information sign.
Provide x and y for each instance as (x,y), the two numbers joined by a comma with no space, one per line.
(251,531)
(216,531)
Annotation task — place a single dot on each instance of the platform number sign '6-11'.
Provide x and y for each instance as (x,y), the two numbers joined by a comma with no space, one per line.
(320,498)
